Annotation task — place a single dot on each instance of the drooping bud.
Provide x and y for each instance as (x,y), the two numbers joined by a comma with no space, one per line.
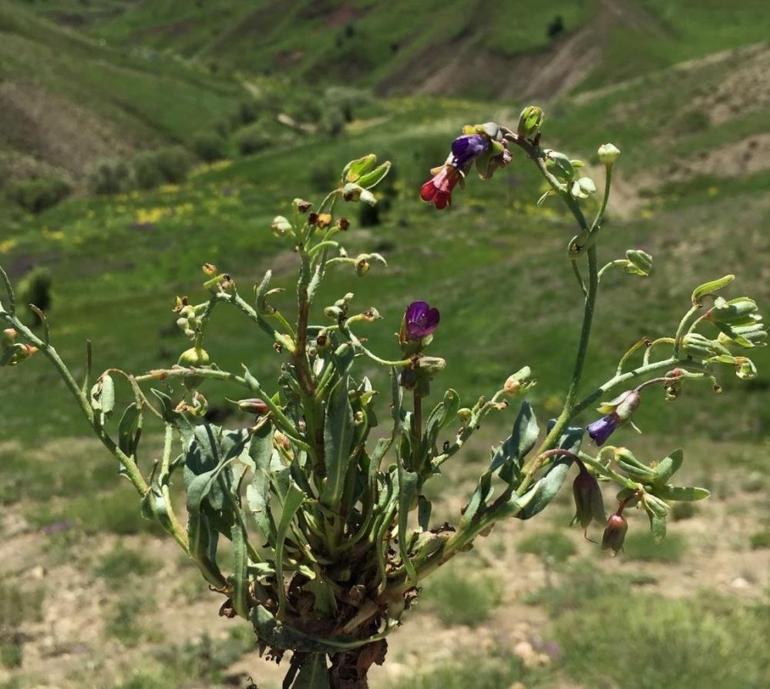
(638,263)
(615,533)
(8,337)
(431,364)
(589,504)
(464,415)
(582,188)
(301,205)
(209,269)
(608,154)
(628,404)
(530,121)
(253,405)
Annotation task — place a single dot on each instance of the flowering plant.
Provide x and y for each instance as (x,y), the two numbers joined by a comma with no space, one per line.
(331,533)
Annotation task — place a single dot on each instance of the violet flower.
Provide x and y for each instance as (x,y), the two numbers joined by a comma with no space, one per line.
(603,428)
(466,148)
(420,320)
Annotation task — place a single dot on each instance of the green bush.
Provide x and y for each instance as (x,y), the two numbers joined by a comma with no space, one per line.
(702,643)
(252,139)
(476,672)
(35,288)
(36,195)
(164,166)
(209,146)
(109,177)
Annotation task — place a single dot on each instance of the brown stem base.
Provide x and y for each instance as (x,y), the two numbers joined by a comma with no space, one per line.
(349,670)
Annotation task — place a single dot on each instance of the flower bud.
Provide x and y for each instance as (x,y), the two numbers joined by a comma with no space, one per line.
(343,224)
(530,122)
(301,205)
(582,188)
(362,267)
(745,368)
(209,269)
(608,154)
(464,415)
(517,381)
(281,440)
(639,262)
(253,405)
(615,533)
(8,337)
(589,504)
(194,357)
(280,226)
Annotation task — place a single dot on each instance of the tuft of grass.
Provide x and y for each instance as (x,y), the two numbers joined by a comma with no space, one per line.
(124,623)
(17,607)
(550,546)
(641,546)
(760,539)
(461,598)
(122,562)
(683,510)
(702,643)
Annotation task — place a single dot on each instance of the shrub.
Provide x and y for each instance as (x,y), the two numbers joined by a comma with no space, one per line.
(640,545)
(37,195)
(209,146)
(35,288)
(166,165)
(122,562)
(252,139)
(109,177)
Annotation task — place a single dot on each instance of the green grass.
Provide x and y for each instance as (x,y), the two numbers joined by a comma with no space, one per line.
(122,564)
(641,546)
(707,642)
(550,546)
(461,596)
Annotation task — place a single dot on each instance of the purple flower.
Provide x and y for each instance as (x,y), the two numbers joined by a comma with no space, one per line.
(603,428)
(420,320)
(466,148)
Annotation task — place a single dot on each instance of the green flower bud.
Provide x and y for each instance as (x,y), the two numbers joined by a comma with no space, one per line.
(194,357)
(639,262)
(253,406)
(582,188)
(608,154)
(530,122)
(518,381)
(464,415)
(280,226)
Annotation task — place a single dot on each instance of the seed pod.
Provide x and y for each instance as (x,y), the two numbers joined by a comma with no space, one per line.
(615,533)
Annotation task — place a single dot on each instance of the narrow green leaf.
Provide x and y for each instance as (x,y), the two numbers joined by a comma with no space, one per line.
(668,466)
(373,178)
(292,502)
(681,493)
(240,596)
(709,288)
(508,457)
(338,440)
(130,430)
(407,492)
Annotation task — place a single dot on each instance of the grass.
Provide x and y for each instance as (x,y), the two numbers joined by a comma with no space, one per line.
(640,546)
(458,596)
(550,546)
(707,642)
(18,607)
(123,563)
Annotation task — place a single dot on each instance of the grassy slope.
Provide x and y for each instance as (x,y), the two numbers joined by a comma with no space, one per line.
(134,100)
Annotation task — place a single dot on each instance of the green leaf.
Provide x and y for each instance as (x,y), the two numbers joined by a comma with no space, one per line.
(508,457)
(313,673)
(240,595)
(681,493)
(424,508)
(373,178)
(668,466)
(338,441)
(353,171)
(709,288)
(407,492)
(130,430)
(479,497)
(293,500)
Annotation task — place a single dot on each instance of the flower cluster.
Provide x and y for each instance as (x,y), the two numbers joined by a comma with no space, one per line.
(482,144)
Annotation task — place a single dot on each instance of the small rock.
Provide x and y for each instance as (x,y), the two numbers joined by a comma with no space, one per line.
(740,583)
(523,650)
(518,685)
